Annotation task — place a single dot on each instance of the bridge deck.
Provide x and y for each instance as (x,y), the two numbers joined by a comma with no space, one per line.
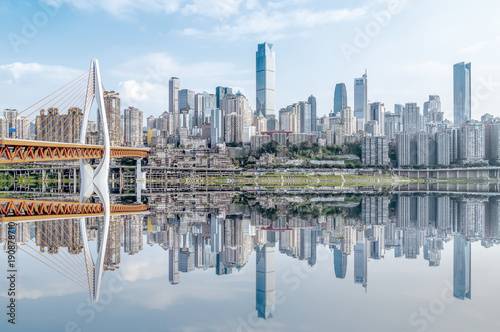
(20,151)
(27,210)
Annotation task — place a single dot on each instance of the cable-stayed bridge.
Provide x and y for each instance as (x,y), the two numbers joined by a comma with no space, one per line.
(48,137)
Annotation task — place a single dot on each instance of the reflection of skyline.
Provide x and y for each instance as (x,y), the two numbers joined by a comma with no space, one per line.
(223,236)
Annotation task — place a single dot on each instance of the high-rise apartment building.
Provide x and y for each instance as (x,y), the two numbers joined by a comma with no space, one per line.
(411,118)
(392,125)
(375,150)
(265,83)
(113,117)
(55,127)
(348,119)
(461,93)
(132,127)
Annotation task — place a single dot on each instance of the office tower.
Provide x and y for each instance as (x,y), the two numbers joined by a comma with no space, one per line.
(265,280)
(220,93)
(377,113)
(217,127)
(312,101)
(339,98)
(461,93)
(113,117)
(198,110)
(461,268)
(348,119)
(209,100)
(411,118)
(339,263)
(361,97)
(132,127)
(54,127)
(375,150)
(186,100)
(392,125)
(305,117)
(398,109)
(174,85)
(265,83)
(472,143)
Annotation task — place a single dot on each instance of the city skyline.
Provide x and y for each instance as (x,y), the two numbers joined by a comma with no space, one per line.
(141,77)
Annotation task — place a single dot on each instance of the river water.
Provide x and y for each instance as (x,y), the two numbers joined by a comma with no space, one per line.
(259,262)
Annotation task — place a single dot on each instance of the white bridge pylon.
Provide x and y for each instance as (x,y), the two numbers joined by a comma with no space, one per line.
(95,180)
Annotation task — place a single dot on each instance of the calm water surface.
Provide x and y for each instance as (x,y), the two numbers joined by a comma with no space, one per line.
(267,263)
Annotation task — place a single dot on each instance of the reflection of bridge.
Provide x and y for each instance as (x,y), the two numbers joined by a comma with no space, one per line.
(64,138)
(19,210)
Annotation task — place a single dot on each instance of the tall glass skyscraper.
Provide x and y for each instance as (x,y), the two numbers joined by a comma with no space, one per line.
(265,83)
(461,93)
(339,98)
(361,97)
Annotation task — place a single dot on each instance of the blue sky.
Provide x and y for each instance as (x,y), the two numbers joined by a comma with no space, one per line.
(408,47)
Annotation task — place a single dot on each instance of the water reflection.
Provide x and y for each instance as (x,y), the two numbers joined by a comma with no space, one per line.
(220,233)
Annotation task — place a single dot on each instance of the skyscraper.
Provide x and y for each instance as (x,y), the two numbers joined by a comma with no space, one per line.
(361,97)
(411,118)
(265,281)
(339,98)
(132,127)
(461,93)
(113,117)
(377,113)
(305,118)
(220,93)
(461,268)
(174,85)
(312,101)
(265,83)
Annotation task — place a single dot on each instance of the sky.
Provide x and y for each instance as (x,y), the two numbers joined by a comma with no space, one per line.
(408,48)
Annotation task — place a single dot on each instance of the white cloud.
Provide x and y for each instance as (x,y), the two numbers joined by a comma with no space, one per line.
(277,24)
(474,48)
(213,8)
(122,8)
(144,80)
(25,72)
